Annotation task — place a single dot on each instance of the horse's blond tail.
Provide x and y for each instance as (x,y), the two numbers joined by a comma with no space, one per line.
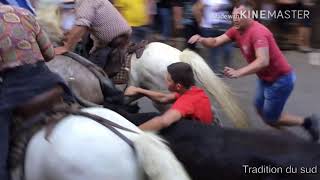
(216,87)
(157,160)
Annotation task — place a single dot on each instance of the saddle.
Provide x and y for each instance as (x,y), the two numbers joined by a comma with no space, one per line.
(118,60)
(117,54)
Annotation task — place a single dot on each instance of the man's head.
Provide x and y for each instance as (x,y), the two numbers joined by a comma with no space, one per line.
(179,77)
(242,14)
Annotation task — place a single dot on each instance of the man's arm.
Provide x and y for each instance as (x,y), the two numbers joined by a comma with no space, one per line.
(262,60)
(85,12)
(161,122)
(210,42)
(42,39)
(73,37)
(163,98)
(45,45)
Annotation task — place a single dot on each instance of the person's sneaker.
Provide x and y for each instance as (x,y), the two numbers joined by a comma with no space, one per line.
(314,127)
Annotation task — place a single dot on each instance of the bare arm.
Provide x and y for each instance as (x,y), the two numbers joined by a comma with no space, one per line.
(163,98)
(74,36)
(210,42)
(161,122)
(262,60)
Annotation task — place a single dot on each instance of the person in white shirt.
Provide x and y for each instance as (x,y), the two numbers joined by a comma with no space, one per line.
(214,18)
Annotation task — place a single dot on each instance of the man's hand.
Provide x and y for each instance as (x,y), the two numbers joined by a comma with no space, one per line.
(194,39)
(231,73)
(60,50)
(131,91)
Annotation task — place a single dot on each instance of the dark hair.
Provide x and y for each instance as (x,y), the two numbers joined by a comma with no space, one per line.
(181,73)
(246,3)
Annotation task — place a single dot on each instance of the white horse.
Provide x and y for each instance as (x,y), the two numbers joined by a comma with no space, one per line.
(149,71)
(80,149)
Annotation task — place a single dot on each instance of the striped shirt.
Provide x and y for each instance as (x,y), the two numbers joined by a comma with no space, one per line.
(22,40)
(102,18)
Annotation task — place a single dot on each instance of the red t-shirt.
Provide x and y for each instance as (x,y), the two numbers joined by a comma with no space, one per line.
(194,103)
(257,36)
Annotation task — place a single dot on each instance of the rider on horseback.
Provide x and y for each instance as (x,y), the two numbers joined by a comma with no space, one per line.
(109,30)
(190,102)
(24,48)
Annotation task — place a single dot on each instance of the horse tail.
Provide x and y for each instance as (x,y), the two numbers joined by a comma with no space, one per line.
(158,162)
(215,87)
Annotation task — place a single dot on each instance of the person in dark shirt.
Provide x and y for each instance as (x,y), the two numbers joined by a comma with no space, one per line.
(24,49)
(184,19)
(165,13)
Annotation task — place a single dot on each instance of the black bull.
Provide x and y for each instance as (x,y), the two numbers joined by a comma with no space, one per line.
(210,152)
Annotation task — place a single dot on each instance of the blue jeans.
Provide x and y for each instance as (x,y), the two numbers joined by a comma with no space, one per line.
(5,122)
(219,57)
(166,26)
(139,33)
(271,97)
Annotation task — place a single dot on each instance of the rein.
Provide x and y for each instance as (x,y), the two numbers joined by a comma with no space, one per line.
(107,123)
(41,118)
(97,71)
(108,89)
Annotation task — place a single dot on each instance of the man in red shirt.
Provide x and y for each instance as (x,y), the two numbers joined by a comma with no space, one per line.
(275,76)
(190,102)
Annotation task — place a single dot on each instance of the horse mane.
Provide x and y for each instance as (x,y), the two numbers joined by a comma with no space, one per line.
(221,92)
(48,17)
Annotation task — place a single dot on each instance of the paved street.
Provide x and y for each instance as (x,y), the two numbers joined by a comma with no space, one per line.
(304,100)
